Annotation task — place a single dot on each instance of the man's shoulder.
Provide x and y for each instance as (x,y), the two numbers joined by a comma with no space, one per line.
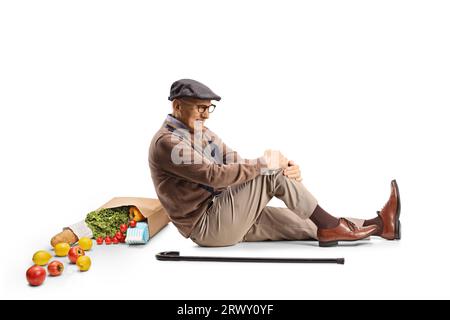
(164,140)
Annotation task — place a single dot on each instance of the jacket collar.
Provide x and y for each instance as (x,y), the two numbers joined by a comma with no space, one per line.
(174,123)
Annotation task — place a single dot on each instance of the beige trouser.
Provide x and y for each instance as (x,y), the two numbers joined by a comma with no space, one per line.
(240,213)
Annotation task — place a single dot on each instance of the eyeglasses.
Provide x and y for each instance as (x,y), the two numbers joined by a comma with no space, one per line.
(202,108)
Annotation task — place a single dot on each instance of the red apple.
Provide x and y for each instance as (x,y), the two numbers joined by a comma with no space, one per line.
(36,275)
(55,268)
(74,253)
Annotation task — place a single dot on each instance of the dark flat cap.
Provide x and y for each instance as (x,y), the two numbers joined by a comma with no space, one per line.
(188,88)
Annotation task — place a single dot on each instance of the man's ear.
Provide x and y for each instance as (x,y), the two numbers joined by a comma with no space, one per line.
(176,106)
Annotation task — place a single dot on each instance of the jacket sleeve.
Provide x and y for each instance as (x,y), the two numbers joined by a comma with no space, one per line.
(179,159)
(231,156)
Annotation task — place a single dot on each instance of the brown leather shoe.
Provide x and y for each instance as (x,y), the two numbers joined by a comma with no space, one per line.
(390,215)
(345,231)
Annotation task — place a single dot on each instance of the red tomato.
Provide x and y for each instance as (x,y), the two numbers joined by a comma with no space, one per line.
(55,268)
(122,240)
(123,228)
(132,224)
(115,240)
(108,240)
(119,235)
(99,240)
(36,275)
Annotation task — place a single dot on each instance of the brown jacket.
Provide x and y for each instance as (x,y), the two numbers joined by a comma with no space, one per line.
(186,175)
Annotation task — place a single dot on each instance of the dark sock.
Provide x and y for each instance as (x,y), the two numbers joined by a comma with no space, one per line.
(375,221)
(322,219)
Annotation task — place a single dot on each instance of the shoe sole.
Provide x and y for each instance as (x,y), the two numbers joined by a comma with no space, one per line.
(328,244)
(336,243)
(397,233)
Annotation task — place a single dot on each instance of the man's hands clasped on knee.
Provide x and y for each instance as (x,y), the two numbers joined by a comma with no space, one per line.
(293,171)
(276,160)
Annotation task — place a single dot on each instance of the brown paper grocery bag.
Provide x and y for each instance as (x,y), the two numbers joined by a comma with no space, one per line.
(152,209)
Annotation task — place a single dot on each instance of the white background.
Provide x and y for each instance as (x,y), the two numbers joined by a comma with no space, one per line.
(356,92)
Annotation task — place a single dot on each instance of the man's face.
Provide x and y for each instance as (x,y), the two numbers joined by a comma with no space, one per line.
(188,111)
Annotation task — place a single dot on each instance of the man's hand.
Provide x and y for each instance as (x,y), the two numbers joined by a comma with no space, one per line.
(275,159)
(293,171)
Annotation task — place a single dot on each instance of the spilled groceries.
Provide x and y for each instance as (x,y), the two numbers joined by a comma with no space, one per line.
(122,220)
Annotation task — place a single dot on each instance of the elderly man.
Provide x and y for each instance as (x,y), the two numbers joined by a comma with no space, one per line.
(216,198)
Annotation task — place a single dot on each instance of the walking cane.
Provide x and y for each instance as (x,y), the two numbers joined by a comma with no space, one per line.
(175,256)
